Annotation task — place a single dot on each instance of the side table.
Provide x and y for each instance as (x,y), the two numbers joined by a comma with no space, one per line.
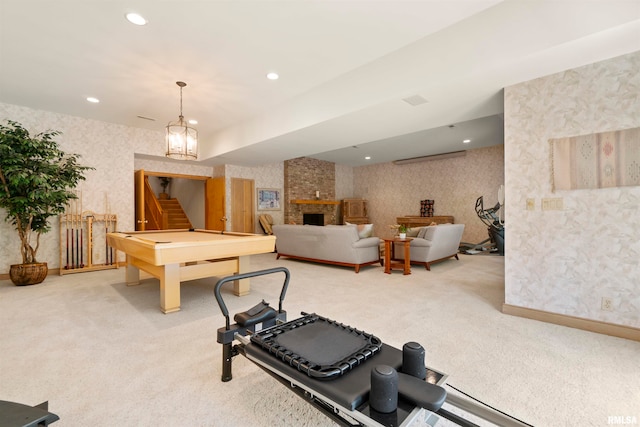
(389,255)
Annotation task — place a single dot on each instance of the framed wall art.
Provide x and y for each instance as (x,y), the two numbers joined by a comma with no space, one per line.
(268,199)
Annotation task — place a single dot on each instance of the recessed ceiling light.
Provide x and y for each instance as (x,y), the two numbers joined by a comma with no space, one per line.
(193,122)
(93,100)
(368,158)
(136,19)
(273,76)
(466,141)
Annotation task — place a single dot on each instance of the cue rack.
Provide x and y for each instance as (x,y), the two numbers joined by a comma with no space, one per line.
(83,239)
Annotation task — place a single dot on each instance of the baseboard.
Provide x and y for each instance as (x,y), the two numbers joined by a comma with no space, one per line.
(597,326)
(56,271)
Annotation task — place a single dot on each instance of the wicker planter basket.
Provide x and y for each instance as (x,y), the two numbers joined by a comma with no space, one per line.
(28,274)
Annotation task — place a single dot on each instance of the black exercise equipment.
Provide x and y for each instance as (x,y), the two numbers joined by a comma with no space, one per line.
(14,414)
(349,375)
(495,227)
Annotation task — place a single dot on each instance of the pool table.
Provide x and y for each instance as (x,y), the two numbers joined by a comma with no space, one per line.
(175,256)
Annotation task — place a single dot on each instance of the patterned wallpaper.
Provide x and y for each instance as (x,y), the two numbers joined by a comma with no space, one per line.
(454,184)
(107,147)
(565,261)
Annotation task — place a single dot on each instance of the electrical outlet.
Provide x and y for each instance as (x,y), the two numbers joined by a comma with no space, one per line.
(531,204)
(607,304)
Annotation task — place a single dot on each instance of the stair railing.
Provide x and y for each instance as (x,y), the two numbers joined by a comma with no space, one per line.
(157,218)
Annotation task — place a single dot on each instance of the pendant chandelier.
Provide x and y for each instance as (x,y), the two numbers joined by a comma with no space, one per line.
(182,140)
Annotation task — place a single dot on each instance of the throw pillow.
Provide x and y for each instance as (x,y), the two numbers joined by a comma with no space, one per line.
(414,231)
(422,232)
(429,232)
(364,230)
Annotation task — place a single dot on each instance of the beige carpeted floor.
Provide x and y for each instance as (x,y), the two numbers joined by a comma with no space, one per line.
(103,354)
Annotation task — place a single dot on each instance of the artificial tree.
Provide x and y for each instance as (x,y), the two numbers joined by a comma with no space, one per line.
(36,182)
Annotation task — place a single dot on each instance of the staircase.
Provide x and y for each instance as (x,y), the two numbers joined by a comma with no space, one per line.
(177,217)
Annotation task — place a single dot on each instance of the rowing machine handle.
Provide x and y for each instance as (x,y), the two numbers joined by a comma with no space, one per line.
(224,280)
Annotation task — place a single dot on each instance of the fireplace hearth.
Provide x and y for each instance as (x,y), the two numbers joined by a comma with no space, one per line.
(313,218)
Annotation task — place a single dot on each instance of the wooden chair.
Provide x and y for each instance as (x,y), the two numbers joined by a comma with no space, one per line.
(266,221)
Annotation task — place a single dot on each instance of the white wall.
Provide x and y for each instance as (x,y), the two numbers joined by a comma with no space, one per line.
(566,261)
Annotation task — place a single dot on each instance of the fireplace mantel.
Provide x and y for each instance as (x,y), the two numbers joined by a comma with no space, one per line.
(314,202)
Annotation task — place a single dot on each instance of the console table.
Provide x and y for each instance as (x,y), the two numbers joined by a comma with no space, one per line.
(421,221)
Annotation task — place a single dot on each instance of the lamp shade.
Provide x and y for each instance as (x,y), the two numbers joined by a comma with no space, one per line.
(182,141)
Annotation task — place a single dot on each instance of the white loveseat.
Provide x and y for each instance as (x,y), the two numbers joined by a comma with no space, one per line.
(433,243)
(330,244)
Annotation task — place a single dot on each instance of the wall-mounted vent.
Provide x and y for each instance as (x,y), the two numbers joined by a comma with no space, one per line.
(442,156)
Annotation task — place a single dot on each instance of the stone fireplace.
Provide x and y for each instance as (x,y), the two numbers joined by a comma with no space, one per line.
(309,188)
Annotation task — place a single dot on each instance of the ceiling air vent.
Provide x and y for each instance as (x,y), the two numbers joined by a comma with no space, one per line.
(442,156)
(415,100)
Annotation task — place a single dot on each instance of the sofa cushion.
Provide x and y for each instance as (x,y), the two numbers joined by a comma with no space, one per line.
(364,230)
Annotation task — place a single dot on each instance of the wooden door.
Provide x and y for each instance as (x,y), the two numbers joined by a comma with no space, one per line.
(242,205)
(214,204)
(139,200)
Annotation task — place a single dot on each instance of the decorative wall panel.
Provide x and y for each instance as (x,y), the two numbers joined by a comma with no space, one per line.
(600,160)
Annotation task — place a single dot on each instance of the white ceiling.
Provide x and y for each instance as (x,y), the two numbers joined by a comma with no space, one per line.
(345,68)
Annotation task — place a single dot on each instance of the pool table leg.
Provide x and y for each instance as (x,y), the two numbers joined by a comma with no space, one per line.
(170,288)
(132,274)
(242,287)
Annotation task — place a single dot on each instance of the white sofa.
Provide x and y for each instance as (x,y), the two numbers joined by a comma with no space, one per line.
(330,244)
(433,243)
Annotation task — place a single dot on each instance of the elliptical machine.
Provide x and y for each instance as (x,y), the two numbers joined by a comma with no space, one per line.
(492,218)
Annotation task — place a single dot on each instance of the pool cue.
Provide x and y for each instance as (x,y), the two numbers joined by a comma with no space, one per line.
(106,243)
(81,247)
(106,229)
(77,232)
(113,227)
(81,232)
(66,224)
(89,240)
(77,249)
(73,219)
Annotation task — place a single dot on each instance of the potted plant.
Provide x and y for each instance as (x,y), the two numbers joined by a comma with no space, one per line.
(164,183)
(36,182)
(402,231)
